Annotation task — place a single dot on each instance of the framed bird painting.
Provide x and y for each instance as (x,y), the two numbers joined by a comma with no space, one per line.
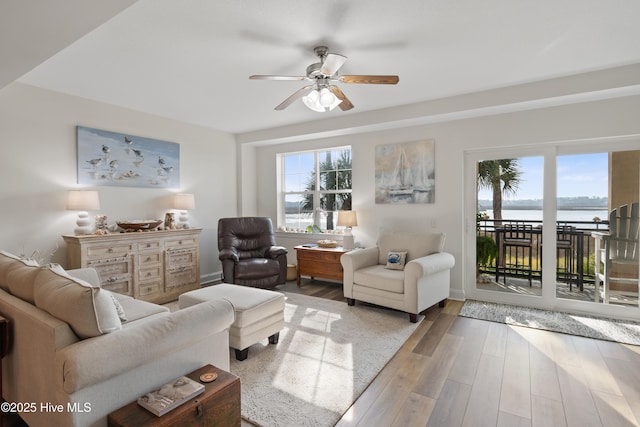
(123,160)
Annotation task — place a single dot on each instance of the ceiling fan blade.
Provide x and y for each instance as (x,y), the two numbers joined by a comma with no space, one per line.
(384,80)
(270,77)
(345,104)
(332,64)
(293,98)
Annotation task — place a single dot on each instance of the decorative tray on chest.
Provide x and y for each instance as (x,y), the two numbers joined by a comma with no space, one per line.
(140,225)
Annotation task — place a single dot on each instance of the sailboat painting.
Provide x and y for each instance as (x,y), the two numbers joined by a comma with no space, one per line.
(405,173)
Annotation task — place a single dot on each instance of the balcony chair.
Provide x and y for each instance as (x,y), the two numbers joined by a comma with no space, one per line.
(567,245)
(404,271)
(614,251)
(519,236)
(249,253)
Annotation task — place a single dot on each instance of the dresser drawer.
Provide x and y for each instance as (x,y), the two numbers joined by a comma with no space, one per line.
(152,258)
(182,277)
(115,250)
(151,245)
(150,273)
(111,266)
(119,284)
(181,242)
(147,290)
(177,258)
(320,255)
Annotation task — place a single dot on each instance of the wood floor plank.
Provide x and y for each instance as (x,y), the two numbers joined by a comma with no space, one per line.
(465,364)
(547,412)
(515,395)
(594,367)
(579,406)
(506,419)
(544,371)
(415,412)
(627,375)
(438,366)
(441,325)
(482,409)
(614,410)
(496,342)
(391,400)
(450,408)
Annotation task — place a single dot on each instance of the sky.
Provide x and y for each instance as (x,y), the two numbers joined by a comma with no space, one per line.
(578,175)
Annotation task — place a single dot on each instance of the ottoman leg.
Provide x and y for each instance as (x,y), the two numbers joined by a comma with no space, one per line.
(242,354)
(273,339)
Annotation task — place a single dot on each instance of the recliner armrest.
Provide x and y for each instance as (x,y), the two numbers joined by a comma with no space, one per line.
(228,253)
(429,264)
(274,252)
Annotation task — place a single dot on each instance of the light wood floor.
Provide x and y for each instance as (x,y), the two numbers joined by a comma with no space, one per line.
(455,371)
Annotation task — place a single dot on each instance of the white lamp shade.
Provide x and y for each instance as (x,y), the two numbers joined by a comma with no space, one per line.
(83,200)
(347,219)
(183,201)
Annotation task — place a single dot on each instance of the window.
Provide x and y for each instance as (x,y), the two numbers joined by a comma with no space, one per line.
(315,185)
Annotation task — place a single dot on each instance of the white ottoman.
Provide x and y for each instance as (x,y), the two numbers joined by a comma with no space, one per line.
(259,313)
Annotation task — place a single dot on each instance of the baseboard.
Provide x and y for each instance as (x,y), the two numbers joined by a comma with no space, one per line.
(456,294)
(207,279)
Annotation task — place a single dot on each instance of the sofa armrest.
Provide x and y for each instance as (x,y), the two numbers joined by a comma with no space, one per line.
(355,260)
(274,252)
(427,265)
(97,359)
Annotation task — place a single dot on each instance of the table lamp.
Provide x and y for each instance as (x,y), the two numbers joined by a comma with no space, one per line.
(83,201)
(184,202)
(347,219)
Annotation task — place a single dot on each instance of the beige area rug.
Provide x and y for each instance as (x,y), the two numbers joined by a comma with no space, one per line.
(327,355)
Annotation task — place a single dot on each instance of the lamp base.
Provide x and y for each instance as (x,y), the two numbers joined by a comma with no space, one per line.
(348,242)
(83,224)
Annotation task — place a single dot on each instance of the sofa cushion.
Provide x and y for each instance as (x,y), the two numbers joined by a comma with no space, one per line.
(136,309)
(8,262)
(21,280)
(379,277)
(417,244)
(89,311)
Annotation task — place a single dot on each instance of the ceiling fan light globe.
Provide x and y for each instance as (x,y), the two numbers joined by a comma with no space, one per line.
(312,101)
(327,99)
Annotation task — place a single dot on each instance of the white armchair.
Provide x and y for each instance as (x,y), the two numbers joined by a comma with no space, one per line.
(423,282)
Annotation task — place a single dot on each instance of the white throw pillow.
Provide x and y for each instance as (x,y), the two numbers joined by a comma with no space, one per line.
(396,260)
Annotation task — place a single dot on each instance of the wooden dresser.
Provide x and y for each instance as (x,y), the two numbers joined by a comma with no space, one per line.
(154,266)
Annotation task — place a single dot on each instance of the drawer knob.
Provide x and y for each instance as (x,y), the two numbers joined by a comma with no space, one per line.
(110,250)
(148,245)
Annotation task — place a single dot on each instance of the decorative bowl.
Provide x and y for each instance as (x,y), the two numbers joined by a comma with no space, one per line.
(327,243)
(140,224)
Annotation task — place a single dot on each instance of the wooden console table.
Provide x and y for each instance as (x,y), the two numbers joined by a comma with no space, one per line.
(218,405)
(155,266)
(319,262)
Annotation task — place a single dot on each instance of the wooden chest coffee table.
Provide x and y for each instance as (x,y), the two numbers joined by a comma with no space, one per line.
(319,262)
(218,405)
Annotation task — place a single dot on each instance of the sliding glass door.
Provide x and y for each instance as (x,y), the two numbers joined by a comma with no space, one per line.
(555,226)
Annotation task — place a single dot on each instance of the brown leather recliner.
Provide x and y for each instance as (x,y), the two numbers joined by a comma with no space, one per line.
(249,253)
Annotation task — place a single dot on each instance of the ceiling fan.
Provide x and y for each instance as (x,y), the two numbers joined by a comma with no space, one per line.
(323,94)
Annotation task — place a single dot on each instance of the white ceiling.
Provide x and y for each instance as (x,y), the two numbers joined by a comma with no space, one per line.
(191,60)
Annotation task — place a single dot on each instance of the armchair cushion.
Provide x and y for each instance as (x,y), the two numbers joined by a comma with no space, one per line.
(417,244)
(379,277)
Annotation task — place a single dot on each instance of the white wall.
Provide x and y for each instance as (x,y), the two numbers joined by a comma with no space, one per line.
(585,120)
(38,166)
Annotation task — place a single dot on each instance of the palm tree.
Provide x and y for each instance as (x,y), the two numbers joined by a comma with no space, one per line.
(333,176)
(502,177)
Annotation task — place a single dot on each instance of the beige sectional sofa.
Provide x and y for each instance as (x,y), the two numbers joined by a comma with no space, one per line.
(79,352)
